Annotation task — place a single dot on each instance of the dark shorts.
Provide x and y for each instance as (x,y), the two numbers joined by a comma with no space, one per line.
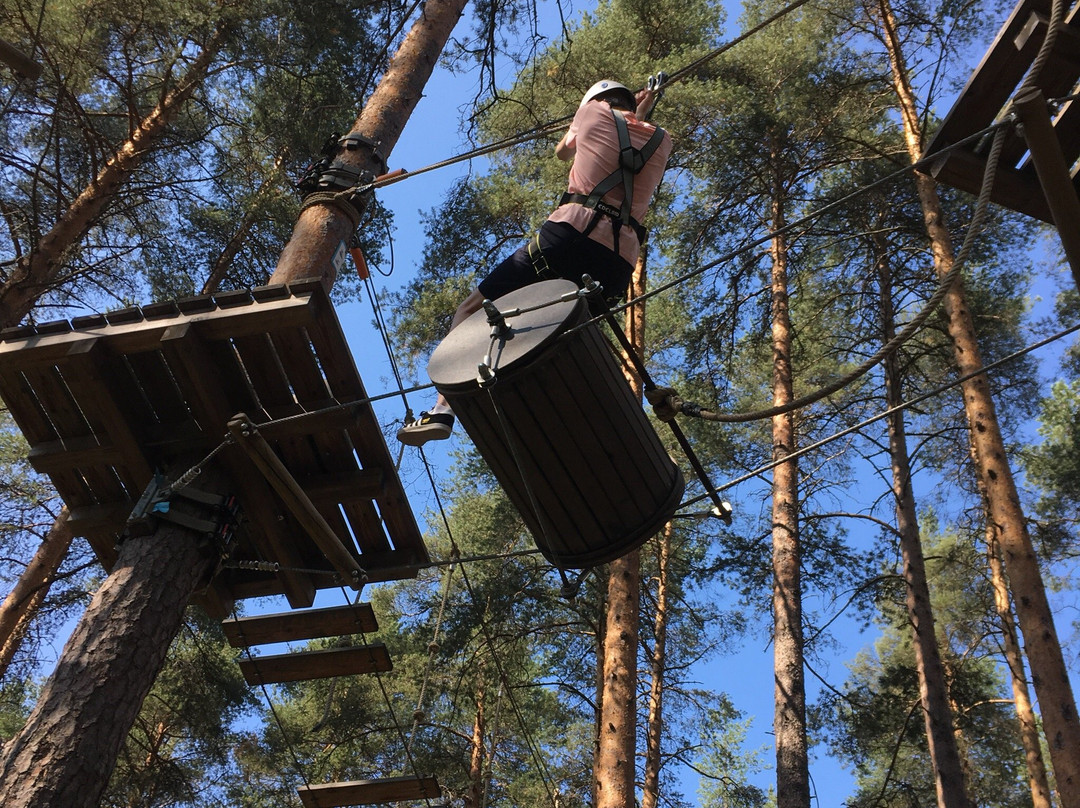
(564,253)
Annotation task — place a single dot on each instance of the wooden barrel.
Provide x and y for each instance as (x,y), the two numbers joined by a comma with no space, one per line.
(560,427)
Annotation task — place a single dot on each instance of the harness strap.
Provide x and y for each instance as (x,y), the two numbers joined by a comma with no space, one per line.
(631,162)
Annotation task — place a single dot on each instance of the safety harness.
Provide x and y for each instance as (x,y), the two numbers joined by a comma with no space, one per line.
(631,162)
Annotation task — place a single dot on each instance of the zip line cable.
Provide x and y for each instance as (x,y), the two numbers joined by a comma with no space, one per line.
(541,767)
(549,128)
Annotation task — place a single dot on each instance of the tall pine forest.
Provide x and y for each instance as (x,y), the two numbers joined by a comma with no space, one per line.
(852,638)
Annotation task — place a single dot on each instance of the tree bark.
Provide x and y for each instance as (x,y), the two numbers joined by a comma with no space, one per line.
(474,796)
(933,689)
(65,753)
(617,741)
(324,230)
(29,592)
(1006,516)
(650,794)
(789,722)
(1025,713)
(36,271)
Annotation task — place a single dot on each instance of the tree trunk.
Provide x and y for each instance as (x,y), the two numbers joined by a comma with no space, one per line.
(1049,674)
(65,753)
(789,722)
(474,796)
(35,272)
(1025,714)
(29,593)
(324,230)
(617,742)
(650,796)
(933,690)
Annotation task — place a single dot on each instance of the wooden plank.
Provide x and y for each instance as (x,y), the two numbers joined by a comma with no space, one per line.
(335,454)
(188,357)
(343,486)
(153,389)
(1012,189)
(145,335)
(86,454)
(306,624)
(322,664)
(369,792)
(87,372)
(993,81)
(367,438)
(58,455)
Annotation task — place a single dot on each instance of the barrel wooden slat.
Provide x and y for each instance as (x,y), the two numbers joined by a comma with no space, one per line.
(561,428)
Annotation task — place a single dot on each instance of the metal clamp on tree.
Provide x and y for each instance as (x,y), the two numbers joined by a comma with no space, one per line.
(213,516)
(330,180)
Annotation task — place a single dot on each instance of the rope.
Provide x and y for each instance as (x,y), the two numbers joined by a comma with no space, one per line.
(549,128)
(270,703)
(886,413)
(669,405)
(541,767)
(385,694)
(672,404)
(433,649)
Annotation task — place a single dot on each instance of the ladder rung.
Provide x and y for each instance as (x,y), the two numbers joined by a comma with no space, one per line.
(322,664)
(304,624)
(369,792)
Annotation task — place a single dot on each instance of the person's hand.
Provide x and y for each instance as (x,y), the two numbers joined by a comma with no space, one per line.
(645,100)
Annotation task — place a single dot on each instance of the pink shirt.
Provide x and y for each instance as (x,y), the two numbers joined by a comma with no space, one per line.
(595,143)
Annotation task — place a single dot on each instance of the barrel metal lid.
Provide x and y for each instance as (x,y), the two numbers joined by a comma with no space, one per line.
(454,362)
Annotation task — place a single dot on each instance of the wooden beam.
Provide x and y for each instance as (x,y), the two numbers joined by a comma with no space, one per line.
(248,438)
(145,335)
(369,792)
(306,624)
(323,664)
(344,486)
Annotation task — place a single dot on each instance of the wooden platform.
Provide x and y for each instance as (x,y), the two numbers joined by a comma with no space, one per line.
(105,400)
(989,91)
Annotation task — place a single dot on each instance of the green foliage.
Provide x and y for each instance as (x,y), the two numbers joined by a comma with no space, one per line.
(875,722)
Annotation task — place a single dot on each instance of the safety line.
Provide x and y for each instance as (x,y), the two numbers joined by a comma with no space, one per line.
(433,649)
(385,693)
(886,413)
(541,767)
(549,128)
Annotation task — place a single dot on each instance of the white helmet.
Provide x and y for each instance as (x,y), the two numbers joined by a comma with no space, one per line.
(606,86)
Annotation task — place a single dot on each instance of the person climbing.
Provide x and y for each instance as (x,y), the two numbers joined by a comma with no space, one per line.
(618,160)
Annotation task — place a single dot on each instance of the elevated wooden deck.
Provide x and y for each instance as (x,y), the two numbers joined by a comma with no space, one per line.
(106,400)
(989,91)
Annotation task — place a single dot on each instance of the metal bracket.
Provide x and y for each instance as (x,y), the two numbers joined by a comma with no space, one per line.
(328,174)
(156,504)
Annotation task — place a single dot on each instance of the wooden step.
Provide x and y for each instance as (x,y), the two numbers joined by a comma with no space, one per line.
(369,792)
(306,624)
(323,664)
